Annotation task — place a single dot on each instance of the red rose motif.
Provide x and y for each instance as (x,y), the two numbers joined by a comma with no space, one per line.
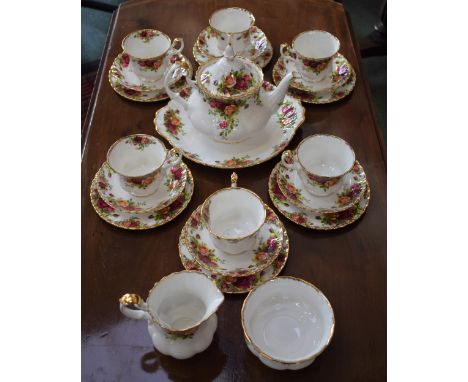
(125,60)
(176,172)
(223,125)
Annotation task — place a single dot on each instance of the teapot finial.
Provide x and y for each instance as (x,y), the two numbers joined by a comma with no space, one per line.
(229,52)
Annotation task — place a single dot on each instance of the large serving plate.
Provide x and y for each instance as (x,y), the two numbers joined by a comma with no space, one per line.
(144,221)
(314,220)
(173,124)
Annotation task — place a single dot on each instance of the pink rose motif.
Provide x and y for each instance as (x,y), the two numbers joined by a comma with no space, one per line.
(103,205)
(271,244)
(244,282)
(174,58)
(125,60)
(176,172)
(223,125)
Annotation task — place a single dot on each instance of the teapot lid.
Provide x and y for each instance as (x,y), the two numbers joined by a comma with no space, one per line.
(229,77)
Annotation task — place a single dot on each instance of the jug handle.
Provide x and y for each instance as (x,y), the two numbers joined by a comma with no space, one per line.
(133,306)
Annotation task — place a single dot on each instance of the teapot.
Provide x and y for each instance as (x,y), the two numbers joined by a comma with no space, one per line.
(228,100)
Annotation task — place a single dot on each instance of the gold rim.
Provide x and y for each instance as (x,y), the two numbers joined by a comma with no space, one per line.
(251,16)
(135,135)
(235,274)
(162,95)
(267,356)
(325,135)
(190,181)
(203,206)
(287,215)
(254,162)
(311,58)
(142,30)
(183,241)
(192,327)
(236,97)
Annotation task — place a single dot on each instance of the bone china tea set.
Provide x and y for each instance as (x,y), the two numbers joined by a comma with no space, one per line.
(229,117)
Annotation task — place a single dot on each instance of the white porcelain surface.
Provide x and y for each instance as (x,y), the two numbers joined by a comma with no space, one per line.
(181,304)
(170,185)
(312,51)
(287,322)
(140,160)
(352,187)
(233,26)
(234,216)
(262,146)
(149,51)
(240,113)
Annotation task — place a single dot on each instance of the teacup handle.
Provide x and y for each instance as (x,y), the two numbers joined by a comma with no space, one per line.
(286,50)
(178,40)
(174,157)
(133,306)
(287,159)
(234,179)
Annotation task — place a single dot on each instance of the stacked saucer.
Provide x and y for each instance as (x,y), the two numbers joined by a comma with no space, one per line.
(235,26)
(138,72)
(141,185)
(322,75)
(320,185)
(235,239)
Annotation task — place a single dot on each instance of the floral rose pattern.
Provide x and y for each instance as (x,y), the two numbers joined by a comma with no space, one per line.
(146,35)
(226,113)
(173,178)
(141,142)
(205,254)
(315,66)
(141,183)
(322,181)
(287,115)
(234,83)
(151,65)
(336,218)
(267,248)
(173,122)
(234,162)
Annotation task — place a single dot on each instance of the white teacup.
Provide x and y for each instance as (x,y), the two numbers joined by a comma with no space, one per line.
(233,26)
(141,160)
(321,160)
(234,215)
(148,51)
(180,310)
(287,322)
(313,53)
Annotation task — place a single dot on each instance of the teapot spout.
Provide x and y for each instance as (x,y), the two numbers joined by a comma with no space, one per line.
(272,99)
(175,72)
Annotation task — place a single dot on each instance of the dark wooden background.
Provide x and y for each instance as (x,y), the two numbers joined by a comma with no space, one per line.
(348,265)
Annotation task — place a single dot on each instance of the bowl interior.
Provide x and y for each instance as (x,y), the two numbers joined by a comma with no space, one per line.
(132,158)
(234,213)
(288,319)
(316,44)
(232,20)
(184,299)
(326,155)
(147,43)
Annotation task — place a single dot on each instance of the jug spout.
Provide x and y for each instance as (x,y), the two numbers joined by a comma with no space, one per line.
(272,99)
(174,73)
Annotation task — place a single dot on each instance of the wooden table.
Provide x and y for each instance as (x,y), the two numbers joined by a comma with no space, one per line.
(348,265)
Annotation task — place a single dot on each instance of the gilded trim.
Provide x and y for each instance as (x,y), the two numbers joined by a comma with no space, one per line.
(251,16)
(313,58)
(142,30)
(265,355)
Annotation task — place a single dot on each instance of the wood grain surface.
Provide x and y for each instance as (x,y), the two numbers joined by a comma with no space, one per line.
(348,265)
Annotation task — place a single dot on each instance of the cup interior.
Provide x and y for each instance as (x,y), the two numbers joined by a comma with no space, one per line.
(128,158)
(235,213)
(146,43)
(183,300)
(325,155)
(232,20)
(288,319)
(316,44)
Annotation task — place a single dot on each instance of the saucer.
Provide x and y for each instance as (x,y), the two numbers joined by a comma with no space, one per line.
(126,83)
(111,191)
(262,60)
(197,147)
(207,43)
(340,74)
(212,259)
(242,284)
(314,220)
(318,97)
(140,221)
(351,190)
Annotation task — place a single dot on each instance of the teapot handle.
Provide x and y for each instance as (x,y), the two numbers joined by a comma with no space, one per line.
(133,306)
